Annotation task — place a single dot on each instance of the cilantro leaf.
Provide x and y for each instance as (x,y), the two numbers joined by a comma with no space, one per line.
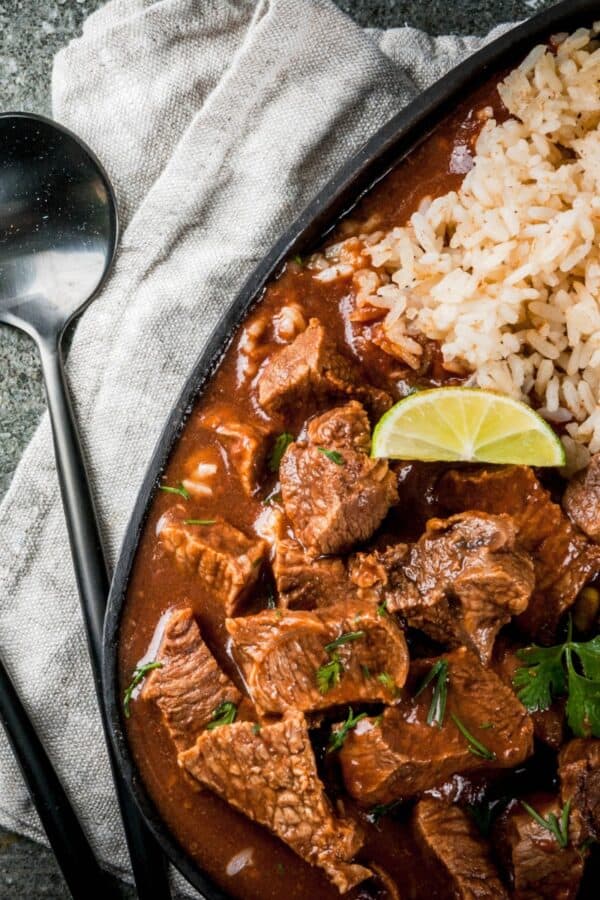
(224,714)
(541,678)
(332,455)
(136,679)
(282,442)
(339,735)
(583,702)
(589,654)
(328,675)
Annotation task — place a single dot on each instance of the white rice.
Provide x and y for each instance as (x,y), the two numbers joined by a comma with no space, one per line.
(505,272)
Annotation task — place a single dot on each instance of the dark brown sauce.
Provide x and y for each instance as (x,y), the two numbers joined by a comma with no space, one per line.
(212,833)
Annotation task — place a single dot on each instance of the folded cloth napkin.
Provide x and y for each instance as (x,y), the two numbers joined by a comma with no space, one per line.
(217,122)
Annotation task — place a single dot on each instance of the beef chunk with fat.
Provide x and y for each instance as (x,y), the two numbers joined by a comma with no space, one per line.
(189,686)
(540,869)
(245,443)
(270,775)
(297,659)
(399,755)
(564,560)
(460,583)
(224,562)
(336,495)
(311,369)
(581,500)
(305,583)
(579,770)
(449,835)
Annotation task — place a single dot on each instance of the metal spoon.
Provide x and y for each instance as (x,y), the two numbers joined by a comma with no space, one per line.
(58,236)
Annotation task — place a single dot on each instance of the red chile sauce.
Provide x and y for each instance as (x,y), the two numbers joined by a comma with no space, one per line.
(210,831)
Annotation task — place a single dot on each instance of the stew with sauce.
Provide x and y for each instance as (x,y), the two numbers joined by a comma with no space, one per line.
(326,644)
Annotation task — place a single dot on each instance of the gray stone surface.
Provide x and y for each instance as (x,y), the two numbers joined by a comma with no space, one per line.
(31,31)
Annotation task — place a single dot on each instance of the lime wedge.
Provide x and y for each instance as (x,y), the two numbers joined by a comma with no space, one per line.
(457,424)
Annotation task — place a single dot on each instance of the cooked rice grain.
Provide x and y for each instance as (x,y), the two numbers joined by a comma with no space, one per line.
(505,272)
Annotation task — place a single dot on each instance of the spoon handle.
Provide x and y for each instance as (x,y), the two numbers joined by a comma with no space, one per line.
(147,860)
(75,857)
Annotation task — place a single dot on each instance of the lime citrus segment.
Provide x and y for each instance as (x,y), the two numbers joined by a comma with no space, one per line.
(456,424)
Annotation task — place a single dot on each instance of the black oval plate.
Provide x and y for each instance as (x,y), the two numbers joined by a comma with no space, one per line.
(381,153)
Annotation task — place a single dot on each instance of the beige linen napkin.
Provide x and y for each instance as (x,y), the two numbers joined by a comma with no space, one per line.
(218,121)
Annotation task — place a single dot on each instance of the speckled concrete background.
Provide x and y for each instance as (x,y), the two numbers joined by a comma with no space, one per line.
(31,31)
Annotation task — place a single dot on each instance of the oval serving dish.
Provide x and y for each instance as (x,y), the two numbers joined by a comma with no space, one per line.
(382,153)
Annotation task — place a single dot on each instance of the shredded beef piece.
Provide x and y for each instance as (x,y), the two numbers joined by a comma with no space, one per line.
(270,775)
(190,685)
(225,562)
(451,837)
(540,869)
(460,583)
(312,369)
(564,560)
(579,770)
(280,653)
(581,499)
(400,755)
(335,496)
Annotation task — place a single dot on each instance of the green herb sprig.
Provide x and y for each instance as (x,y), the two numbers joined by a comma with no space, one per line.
(138,676)
(282,442)
(329,674)
(339,735)
(224,714)
(181,490)
(551,672)
(388,682)
(199,521)
(474,746)
(380,810)
(333,455)
(437,707)
(347,638)
(558,827)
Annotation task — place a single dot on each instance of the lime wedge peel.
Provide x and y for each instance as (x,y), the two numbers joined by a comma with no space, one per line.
(457,424)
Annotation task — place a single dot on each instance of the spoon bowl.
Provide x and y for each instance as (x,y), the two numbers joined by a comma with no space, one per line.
(58,236)
(58,224)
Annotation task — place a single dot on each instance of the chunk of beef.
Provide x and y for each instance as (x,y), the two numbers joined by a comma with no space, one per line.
(538,866)
(189,686)
(281,653)
(451,837)
(564,560)
(581,500)
(244,442)
(270,775)
(305,583)
(225,562)
(343,428)
(549,725)
(311,369)
(579,769)
(460,583)
(400,755)
(335,496)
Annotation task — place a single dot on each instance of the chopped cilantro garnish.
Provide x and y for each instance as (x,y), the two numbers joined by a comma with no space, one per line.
(332,455)
(346,638)
(437,707)
(183,492)
(557,827)
(339,735)
(282,442)
(136,679)
(328,675)
(387,681)
(224,714)
(382,609)
(475,747)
